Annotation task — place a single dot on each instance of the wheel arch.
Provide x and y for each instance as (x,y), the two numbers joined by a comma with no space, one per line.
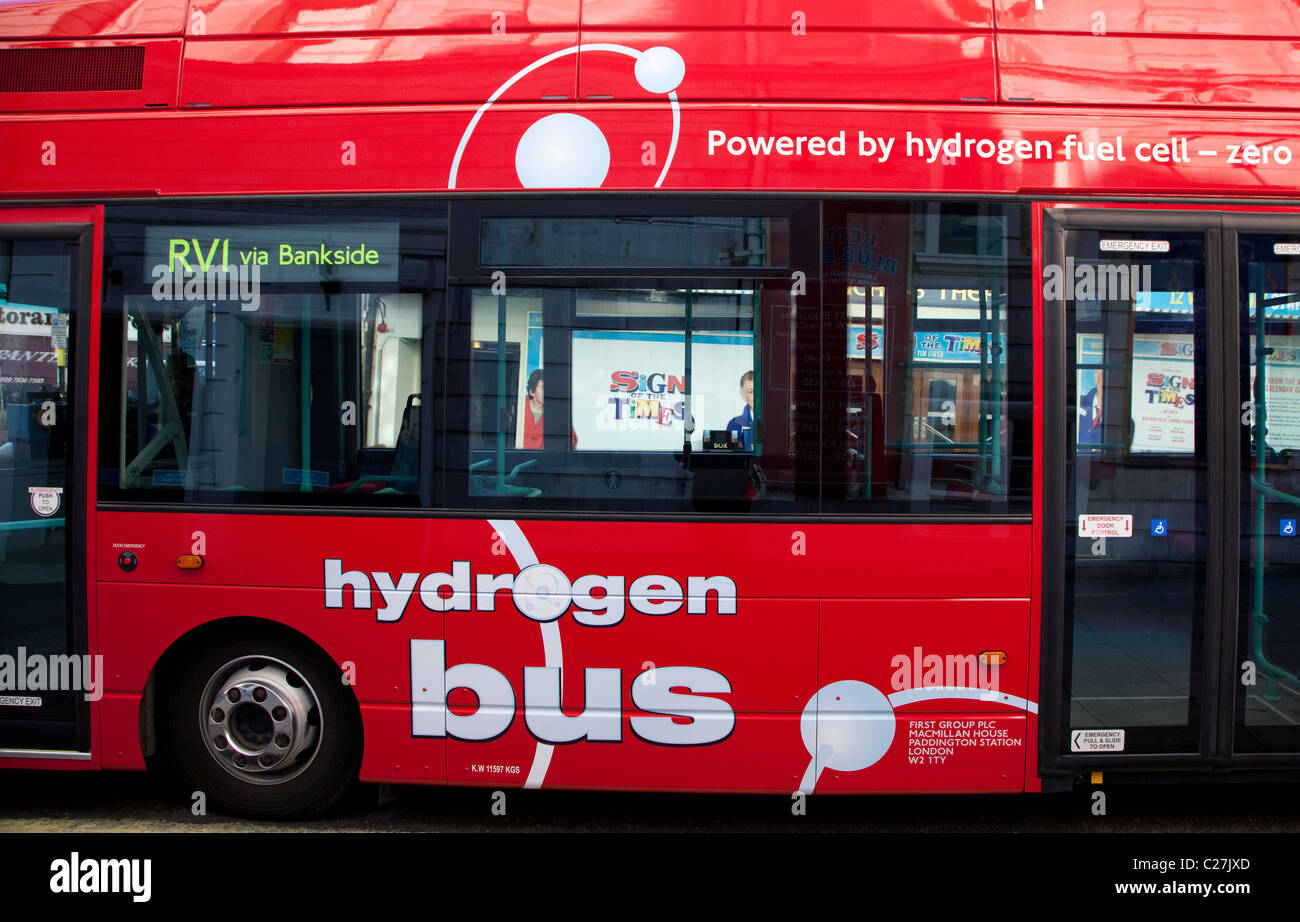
(184,646)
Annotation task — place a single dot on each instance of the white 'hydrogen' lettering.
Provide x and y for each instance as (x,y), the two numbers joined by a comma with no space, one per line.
(540,592)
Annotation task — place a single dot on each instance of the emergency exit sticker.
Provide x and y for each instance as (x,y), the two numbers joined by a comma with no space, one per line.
(1097,741)
(1105,526)
(59,331)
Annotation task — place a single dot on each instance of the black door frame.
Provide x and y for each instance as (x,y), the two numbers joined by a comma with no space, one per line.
(1219,638)
(76,742)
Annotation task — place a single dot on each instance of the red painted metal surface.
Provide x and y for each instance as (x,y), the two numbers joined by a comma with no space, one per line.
(1267,18)
(1081,69)
(292,17)
(829,66)
(117,744)
(359,70)
(860,596)
(808,17)
(404,151)
(60,19)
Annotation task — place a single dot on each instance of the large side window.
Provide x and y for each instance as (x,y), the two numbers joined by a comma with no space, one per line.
(667,356)
(927,406)
(646,396)
(266,357)
(592,383)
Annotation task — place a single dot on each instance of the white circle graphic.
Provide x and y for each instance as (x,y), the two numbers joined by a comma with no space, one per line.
(562,151)
(542,592)
(659,70)
(847,726)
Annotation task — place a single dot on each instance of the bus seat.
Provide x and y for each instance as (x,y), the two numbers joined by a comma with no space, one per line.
(406,457)
(482,480)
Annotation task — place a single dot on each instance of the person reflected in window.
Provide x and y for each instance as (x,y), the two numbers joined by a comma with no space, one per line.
(533,426)
(1090,413)
(533,412)
(742,426)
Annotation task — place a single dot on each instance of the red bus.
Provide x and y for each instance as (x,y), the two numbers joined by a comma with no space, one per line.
(801,398)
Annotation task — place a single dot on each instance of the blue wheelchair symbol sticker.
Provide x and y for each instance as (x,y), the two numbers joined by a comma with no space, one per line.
(1159,528)
(1288,528)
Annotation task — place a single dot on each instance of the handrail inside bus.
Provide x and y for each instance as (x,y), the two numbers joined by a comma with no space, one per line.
(31,523)
(1262,491)
(172,428)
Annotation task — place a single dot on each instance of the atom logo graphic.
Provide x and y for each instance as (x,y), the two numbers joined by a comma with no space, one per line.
(565,150)
(848,726)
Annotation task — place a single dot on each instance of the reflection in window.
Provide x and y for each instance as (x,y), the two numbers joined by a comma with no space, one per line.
(219,399)
(631,241)
(1269,331)
(934,303)
(249,360)
(628,397)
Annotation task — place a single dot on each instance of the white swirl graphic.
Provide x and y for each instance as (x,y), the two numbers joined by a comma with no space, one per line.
(565,150)
(510,533)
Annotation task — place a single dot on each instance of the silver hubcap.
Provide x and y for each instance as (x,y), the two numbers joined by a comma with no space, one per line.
(260,720)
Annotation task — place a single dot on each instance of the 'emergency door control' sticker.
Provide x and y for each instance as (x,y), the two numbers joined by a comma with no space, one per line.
(1105,526)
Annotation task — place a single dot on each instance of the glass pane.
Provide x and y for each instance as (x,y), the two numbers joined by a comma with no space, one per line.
(309,393)
(38,298)
(927,406)
(1268,706)
(1136,485)
(635,241)
(270,352)
(630,398)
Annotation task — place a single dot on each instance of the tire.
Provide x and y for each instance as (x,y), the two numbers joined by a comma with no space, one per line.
(262,726)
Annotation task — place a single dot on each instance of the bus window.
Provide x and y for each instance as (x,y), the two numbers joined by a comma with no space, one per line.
(221,400)
(928,407)
(299,381)
(628,395)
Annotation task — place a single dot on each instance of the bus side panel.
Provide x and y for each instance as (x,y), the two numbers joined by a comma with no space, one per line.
(905,704)
(744,678)
(392,754)
(757,666)
(119,731)
(214,152)
(684,655)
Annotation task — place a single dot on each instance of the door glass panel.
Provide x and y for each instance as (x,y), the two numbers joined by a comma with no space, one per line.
(1268,697)
(1136,485)
(37,300)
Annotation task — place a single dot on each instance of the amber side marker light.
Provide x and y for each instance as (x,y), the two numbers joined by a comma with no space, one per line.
(993,658)
(189,561)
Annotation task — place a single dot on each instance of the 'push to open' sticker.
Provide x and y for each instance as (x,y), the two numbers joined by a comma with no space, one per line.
(45,500)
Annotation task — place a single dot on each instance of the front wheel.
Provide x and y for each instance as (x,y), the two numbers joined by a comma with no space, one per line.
(263,727)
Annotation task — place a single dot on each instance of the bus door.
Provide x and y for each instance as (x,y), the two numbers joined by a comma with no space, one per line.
(46,676)
(1264,495)
(1172,489)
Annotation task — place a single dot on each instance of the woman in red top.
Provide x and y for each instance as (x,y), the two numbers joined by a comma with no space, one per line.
(533,412)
